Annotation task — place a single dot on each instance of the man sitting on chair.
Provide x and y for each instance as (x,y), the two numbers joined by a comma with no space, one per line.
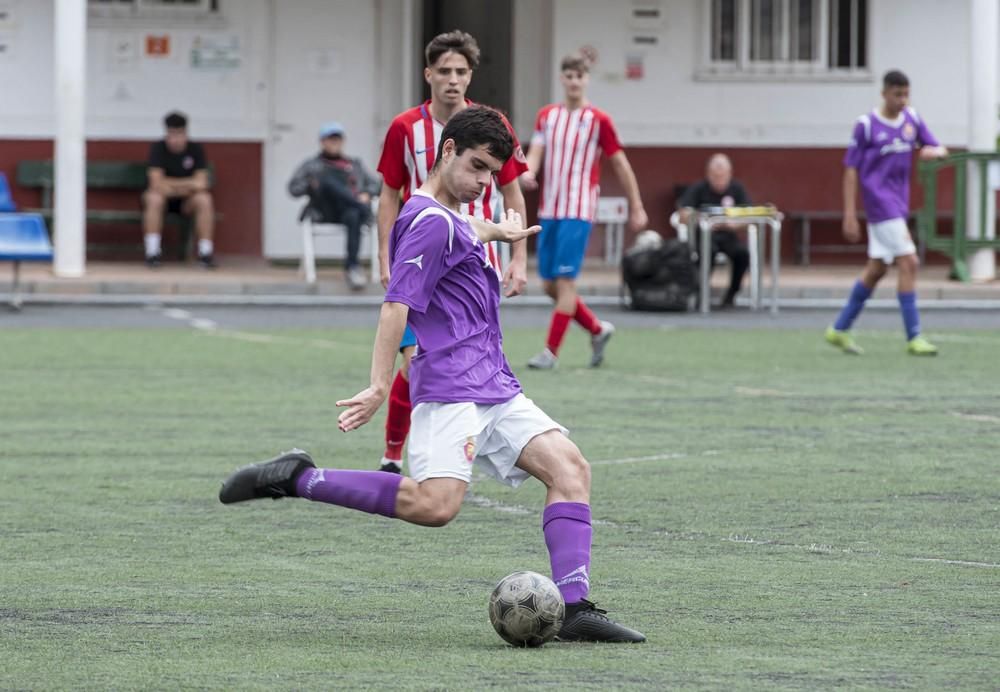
(720,189)
(178,183)
(340,190)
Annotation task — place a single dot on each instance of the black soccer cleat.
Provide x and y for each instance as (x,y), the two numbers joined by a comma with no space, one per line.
(585,622)
(274,478)
(391,466)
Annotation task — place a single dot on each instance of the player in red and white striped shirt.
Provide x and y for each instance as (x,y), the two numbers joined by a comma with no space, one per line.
(571,137)
(408,154)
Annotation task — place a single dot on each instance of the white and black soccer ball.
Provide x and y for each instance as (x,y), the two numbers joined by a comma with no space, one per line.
(526,609)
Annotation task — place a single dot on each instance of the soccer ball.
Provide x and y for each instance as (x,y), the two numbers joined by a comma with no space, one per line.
(526,609)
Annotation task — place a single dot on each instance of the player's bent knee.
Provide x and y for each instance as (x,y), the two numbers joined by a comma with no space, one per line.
(153,200)
(436,513)
(201,200)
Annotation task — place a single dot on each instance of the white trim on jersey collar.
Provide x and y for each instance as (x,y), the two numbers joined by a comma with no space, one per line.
(891,123)
(457,215)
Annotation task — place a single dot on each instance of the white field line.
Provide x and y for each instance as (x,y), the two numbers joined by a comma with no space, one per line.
(754,391)
(674,382)
(978,417)
(964,563)
(211,328)
(259,338)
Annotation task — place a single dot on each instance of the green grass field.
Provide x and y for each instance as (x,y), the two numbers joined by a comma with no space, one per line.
(770,513)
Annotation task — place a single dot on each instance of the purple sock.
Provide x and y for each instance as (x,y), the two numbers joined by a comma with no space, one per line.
(911,318)
(567,530)
(370,491)
(856,301)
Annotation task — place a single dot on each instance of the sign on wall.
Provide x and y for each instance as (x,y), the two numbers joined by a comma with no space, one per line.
(215,52)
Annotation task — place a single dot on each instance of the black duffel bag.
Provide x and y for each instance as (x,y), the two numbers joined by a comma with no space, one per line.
(661,279)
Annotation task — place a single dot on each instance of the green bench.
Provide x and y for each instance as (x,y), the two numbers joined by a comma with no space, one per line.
(108,175)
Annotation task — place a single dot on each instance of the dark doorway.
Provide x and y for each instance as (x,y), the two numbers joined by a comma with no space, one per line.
(490,23)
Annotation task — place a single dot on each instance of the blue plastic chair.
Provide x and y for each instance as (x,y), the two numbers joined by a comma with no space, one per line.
(23,238)
(6,201)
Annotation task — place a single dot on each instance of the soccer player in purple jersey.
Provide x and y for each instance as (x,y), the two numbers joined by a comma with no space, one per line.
(880,156)
(468,405)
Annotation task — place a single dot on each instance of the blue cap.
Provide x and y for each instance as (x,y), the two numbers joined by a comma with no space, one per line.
(331,129)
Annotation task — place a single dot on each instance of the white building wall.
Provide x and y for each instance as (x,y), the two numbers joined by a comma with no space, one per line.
(129,90)
(671,106)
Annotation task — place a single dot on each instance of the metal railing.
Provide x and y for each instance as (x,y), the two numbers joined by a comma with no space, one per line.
(961,242)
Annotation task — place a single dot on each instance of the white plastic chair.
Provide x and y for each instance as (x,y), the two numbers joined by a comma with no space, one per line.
(311,229)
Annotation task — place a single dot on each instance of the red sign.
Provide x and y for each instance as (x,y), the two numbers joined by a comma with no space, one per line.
(158,45)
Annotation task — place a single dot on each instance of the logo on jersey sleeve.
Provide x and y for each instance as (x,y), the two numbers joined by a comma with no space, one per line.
(418,260)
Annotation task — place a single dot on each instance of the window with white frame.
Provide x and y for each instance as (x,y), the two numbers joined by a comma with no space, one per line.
(786,37)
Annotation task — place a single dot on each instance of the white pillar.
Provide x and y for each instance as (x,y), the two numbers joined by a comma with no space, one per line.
(407,43)
(69,218)
(984,18)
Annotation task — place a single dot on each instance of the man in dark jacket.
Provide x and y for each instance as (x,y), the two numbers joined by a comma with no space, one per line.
(340,190)
(720,189)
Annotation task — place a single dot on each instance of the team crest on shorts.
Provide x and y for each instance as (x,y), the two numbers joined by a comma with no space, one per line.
(470,449)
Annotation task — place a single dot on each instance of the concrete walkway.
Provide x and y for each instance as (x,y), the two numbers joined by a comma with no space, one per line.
(253,280)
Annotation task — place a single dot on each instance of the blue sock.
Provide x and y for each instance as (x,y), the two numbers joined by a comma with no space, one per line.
(911,318)
(855,302)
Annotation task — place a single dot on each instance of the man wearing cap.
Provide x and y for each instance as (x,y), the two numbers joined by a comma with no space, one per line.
(340,190)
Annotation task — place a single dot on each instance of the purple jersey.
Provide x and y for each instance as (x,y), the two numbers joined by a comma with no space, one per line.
(440,270)
(882,152)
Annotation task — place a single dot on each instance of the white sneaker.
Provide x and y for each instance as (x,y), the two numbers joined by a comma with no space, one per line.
(355,278)
(598,341)
(546,360)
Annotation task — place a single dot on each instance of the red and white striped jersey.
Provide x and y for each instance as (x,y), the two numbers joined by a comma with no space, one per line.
(408,155)
(574,141)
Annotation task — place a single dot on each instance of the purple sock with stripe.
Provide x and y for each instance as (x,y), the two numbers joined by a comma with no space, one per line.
(369,491)
(855,302)
(911,318)
(568,533)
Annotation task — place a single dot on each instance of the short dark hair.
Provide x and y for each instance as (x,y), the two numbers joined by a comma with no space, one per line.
(176,121)
(475,126)
(895,78)
(575,62)
(456,41)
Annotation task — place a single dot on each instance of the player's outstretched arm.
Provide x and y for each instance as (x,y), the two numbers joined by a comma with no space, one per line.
(510,228)
(637,219)
(388,210)
(930,153)
(363,405)
(852,231)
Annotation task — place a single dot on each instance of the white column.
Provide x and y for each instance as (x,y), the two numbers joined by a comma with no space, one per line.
(407,43)
(69,219)
(984,28)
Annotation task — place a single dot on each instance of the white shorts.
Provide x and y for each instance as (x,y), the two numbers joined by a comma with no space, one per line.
(890,239)
(447,439)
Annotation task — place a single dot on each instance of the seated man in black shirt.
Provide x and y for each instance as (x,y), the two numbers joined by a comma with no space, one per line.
(340,190)
(719,189)
(178,182)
